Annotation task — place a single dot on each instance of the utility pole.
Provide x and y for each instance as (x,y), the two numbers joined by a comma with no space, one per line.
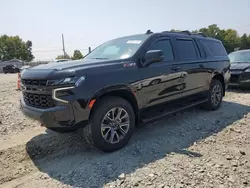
(64,53)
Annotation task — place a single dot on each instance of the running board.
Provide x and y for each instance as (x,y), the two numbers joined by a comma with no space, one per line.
(147,120)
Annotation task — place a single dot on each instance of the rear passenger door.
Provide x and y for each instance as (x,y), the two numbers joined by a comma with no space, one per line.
(191,65)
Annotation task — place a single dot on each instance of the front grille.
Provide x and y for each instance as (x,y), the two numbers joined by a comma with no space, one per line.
(34,82)
(38,100)
(234,78)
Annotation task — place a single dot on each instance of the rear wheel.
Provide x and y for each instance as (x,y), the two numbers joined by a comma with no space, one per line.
(111,125)
(215,95)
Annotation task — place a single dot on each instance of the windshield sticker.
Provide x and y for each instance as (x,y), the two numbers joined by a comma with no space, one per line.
(134,42)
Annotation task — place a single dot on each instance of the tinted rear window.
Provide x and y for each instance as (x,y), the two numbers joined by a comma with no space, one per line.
(216,48)
(186,49)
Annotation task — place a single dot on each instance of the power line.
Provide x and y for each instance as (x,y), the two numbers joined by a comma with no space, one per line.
(248,25)
(86,48)
(47,50)
(55,49)
(50,50)
(83,49)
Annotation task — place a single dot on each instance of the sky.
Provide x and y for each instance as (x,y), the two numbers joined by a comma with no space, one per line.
(90,23)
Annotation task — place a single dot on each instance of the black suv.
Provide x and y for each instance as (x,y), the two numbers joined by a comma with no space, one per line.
(240,68)
(125,81)
(11,69)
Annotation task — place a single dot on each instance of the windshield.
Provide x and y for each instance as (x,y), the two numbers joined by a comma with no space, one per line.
(239,57)
(120,48)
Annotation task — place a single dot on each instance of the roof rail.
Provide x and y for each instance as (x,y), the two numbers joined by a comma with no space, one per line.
(149,32)
(186,32)
(181,32)
(200,33)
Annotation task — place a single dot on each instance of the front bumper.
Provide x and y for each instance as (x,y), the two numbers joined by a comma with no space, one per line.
(240,80)
(240,84)
(69,116)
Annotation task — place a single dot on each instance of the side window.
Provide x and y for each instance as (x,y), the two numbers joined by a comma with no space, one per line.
(216,48)
(186,49)
(165,46)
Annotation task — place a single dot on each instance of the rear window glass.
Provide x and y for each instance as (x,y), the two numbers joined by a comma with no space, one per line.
(216,48)
(186,49)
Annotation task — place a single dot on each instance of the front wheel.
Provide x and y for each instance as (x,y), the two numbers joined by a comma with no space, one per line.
(112,124)
(215,95)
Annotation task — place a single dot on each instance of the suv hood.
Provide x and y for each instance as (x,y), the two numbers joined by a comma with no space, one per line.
(84,63)
(239,66)
(62,69)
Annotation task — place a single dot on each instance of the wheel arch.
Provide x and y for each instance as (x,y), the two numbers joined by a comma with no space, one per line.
(124,92)
(220,77)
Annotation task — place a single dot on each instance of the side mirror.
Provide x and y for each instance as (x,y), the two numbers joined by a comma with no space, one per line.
(153,56)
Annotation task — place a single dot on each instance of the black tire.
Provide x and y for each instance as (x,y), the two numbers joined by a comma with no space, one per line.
(93,132)
(211,104)
(62,130)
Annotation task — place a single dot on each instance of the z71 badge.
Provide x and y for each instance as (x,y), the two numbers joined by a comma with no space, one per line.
(129,65)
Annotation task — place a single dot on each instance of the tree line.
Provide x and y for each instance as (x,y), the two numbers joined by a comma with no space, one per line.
(13,47)
(229,37)
(76,55)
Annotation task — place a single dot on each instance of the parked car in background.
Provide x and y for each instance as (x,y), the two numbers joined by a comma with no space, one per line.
(240,68)
(16,62)
(11,69)
(128,80)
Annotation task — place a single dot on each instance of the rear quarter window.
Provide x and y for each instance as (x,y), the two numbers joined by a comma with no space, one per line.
(216,48)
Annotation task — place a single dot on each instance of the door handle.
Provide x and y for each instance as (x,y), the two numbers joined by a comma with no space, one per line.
(201,65)
(176,68)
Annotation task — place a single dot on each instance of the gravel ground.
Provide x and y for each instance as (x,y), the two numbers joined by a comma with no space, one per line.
(195,148)
(11,118)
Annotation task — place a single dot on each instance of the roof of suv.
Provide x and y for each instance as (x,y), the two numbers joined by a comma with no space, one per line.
(186,34)
(177,33)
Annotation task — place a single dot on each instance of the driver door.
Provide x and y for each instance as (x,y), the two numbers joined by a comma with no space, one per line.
(161,81)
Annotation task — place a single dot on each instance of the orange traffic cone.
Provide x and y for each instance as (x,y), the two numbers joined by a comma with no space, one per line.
(18,81)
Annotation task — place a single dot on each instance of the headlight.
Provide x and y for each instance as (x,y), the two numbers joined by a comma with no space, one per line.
(67,81)
(247,70)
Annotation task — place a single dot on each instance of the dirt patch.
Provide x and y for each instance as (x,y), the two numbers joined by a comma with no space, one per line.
(195,148)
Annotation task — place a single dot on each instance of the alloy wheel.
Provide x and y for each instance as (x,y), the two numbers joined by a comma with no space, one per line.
(115,125)
(216,95)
